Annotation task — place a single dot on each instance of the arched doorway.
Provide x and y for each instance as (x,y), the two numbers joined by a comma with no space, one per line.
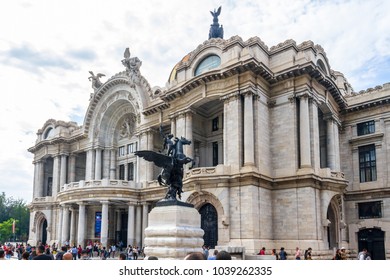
(209,223)
(40,225)
(332,229)
(373,239)
(44,232)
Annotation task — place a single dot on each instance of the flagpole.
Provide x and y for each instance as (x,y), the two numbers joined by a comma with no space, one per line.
(13,228)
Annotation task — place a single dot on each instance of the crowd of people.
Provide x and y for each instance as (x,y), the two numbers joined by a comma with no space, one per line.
(340,254)
(95,250)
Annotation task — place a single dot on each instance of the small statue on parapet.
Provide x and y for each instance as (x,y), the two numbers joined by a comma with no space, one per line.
(132,64)
(172,164)
(96,83)
(216,31)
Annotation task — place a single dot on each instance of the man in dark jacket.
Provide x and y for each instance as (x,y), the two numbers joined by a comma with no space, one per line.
(41,255)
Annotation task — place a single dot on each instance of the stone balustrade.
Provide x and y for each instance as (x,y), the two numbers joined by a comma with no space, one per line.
(208,171)
(43,199)
(106,183)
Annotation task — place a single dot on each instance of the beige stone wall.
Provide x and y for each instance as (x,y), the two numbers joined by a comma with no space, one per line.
(284,153)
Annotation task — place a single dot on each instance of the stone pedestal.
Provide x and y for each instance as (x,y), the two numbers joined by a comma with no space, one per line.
(173,231)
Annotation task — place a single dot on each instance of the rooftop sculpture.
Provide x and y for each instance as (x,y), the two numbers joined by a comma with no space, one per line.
(215,30)
(96,83)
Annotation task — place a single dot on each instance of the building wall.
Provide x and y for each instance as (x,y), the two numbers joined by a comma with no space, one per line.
(269,188)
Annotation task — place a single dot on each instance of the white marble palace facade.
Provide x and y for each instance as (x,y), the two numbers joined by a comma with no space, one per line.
(286,153)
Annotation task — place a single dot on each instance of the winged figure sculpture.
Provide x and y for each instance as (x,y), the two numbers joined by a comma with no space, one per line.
(172,164)
(96,83)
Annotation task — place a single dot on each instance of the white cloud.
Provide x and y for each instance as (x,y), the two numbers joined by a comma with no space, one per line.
(48,47)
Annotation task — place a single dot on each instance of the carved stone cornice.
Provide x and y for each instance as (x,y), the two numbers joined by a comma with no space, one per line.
(230,97)
(148,130)
(271,103)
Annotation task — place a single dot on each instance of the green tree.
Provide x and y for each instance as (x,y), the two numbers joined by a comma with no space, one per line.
(14,209)
(6,230)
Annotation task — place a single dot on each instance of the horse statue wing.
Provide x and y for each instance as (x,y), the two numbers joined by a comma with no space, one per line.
(158,159)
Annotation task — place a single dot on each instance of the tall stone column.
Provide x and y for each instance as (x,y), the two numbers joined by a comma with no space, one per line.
(343,225)
(130,225)
(104,228)
(72,168)
(38,178)
(126,171)
(249,153)
(63,170)
(72,239)
(145,211)
(189,149)
(232,130)
(118,220)
(173,125)
(36,174)
(331,156)
(56,175)
(98,164)
(106,164)
(89,166)
(137,173)
(65,223)
(304,131)
(336,146)
(113,164)
(180,124)
(81,225)
(316,163)
(138,225)
(41,178)
(60,213)
(150,165)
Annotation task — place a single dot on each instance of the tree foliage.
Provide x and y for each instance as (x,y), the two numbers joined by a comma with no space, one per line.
(13,209)
(6,230)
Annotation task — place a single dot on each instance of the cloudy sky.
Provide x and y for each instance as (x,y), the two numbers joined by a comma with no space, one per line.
(48,47)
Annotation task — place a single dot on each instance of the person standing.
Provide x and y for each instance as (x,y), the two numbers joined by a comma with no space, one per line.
(364,255)
(205,252)
(282,254)
(135,253)
(113,250)
(308,254)
(2,254)
(214,256)
(79,251)
(273,253)
(48,253)
(130,252)
(343,253)
(74,252)
(297,253)
(262,251)
(337,256)
(40,254)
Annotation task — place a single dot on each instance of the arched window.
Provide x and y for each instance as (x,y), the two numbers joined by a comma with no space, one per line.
(210,62)
(49,133)
(321,64)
